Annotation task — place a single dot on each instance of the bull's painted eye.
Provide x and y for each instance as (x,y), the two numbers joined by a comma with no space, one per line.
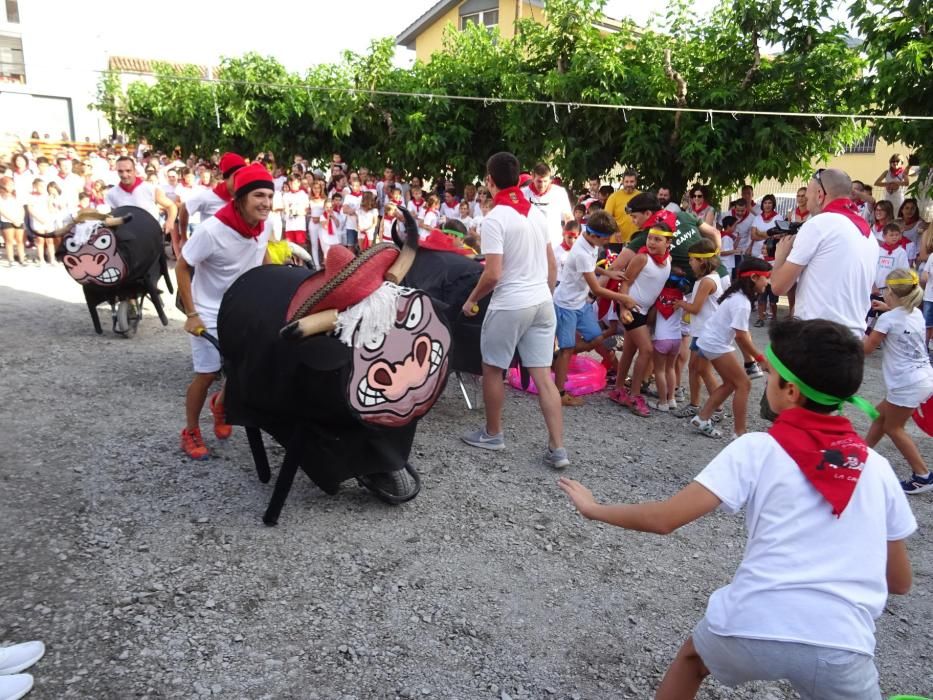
(102,242)
(71,245)
(414,314)
(374,343)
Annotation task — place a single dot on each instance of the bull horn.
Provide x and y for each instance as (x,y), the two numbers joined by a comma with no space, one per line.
(402,265)
(89,215)
(411,233)
(112,221)
(313,324)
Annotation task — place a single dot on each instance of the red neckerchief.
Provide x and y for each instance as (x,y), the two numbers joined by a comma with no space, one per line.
(330,222)
(665,301)
(563,244)
(222,191)
(660,260)
(62,175)
(534,189)
(727,233)
(132,187)
(663,216)
(902,243)
(513,197)
(230,216)
(801,215)
(844,206)
(828,451)
(744,216)
(766,217)
(417,202)
(696,209)
(896,172)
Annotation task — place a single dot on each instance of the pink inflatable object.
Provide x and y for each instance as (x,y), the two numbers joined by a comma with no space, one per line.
(585,376)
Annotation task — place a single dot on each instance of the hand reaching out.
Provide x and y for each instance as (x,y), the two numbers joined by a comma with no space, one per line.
(581,496)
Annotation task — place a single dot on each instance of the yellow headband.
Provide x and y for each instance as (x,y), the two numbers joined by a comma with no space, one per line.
(901,280)
(660,232)
(703,255)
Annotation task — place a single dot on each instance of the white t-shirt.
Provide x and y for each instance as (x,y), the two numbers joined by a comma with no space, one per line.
(560,257)
(699,320)
(521,241)
(905,360)
(762,225)
(888,262)
(429,221)
(840,265)
(295,205)
(353,201)
(220,255)
(555,205)
(669,328)
(450,212)
(806,576)
(142,196)
(718,333)
(743,233)
(366,220)
(648,285)
(727,252)
(416,210)
(573,290)
(928,289)
(203,204)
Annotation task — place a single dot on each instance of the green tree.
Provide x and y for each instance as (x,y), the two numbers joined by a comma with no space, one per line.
(899,44)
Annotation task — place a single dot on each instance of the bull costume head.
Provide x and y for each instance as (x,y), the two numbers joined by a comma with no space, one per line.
(89,253)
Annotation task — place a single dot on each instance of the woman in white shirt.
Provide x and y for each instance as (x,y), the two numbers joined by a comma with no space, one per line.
(316,200)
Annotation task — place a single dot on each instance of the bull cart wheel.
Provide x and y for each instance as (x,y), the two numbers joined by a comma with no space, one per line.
(126,316)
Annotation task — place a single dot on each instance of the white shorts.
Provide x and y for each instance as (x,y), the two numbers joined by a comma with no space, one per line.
(910,396)
(204,356)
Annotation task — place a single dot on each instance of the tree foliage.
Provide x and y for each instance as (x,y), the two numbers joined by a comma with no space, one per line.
(899,44)
(704,63)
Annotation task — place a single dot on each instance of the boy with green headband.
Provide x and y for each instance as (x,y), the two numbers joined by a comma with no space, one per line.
(826,521)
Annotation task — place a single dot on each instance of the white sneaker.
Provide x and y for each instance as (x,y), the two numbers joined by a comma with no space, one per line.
(14,687)
(19,657)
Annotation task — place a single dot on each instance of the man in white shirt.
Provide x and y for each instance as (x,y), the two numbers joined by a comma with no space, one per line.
(664,199)
(551,199)
(132,191)
(70,184)
(203,203)
(223,247)
(520,272)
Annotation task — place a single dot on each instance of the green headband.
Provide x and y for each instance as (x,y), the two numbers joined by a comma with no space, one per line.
(451,232)
(818,396)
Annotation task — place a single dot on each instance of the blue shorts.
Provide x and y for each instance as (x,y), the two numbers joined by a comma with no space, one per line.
(928,313)
(693,344)
(570,321)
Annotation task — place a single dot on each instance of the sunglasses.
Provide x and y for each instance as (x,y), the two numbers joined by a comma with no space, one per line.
(697,196)
(819,180)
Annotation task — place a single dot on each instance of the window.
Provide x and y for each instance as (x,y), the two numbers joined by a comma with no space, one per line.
(487,18)
(12,65)
(866,145)
(12,11)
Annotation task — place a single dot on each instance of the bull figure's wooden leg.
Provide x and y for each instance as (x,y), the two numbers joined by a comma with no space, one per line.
(163,269)
(260,459)
(153,289)
(95,317)
(284,483)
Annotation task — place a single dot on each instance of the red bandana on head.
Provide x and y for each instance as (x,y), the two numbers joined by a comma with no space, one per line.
(664,216)
(513,197)
(129,188)
(828,451)
(230,215)
(222,191)
(845,207)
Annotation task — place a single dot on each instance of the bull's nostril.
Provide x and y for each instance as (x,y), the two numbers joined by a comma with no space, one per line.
(100,258)
(421,352)
(382,377)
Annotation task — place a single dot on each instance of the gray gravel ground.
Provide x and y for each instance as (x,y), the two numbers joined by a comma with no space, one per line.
(151,576)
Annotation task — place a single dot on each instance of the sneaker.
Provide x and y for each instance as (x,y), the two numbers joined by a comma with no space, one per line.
(639,407)
(760,323)
(193,444)
(16,686)
(680,394)
(571,400)
(687,411)
(672,405)
(753,371)
(556,458)
(718,415)
(19,657)
(918,484)
(621,396)
(659,405)
(705,427)
(221,430)
(480,438)
(648,390)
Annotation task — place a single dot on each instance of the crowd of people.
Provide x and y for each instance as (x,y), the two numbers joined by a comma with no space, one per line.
(665,293)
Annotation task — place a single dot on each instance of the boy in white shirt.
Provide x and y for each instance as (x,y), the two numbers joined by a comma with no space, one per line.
(571,299)
(826,521)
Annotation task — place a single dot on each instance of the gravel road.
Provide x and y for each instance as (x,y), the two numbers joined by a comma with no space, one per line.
(150,576)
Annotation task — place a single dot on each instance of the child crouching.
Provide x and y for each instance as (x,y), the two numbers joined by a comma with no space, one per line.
(826,521)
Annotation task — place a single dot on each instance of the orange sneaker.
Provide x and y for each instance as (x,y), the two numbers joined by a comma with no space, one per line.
(221,430)
(193,444)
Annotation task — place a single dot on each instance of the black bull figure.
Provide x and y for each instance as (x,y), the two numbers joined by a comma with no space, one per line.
(342,412)
(115,258)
